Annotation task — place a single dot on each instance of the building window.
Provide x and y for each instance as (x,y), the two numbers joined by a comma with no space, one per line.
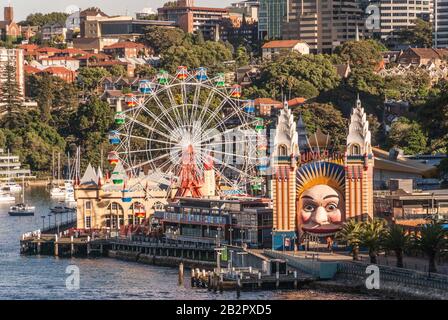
(282,150)
(355,149)
(88,205)
(88,222)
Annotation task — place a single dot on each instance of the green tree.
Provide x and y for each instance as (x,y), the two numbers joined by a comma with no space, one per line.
(397,240)
(298,75)
(211,54)
(89,78)
(39,19)
(118,71)
(10,94)
(327,118)
(45,96)
(90,126)
(361,54)
(432,241)
(407,135)
(160,39)
(373,233)
(145,71)
(433,116)
(418,35)
(242,58)
(351,234)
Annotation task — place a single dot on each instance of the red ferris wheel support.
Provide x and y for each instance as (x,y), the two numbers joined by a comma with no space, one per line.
(190,178)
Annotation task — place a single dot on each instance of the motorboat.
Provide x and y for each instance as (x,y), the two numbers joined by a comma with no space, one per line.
(6,198)
(58,209)
(11,186)
(21,209)
(57,192)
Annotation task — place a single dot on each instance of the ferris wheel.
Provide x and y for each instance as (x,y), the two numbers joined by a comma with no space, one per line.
(189,120)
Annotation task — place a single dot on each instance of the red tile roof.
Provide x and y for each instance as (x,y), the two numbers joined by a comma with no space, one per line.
(28,47)
(74,51)
(124,44)
(58,70)
(59,58)
(108,63)
(296,101)
(48,49)
(282,44)
(30,69)
(270,101)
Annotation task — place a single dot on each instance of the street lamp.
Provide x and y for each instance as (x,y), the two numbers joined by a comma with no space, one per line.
(219,236)
(242,254)
(283,242)
(242,236)
(230,234)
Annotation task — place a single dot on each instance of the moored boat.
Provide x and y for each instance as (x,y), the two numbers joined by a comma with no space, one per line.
(21,210)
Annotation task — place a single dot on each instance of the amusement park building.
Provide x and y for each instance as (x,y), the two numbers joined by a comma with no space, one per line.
(232,221)
(104,206)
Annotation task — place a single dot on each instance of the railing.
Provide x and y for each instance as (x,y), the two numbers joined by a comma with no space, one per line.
(397,275)
(140,240)
(60,226)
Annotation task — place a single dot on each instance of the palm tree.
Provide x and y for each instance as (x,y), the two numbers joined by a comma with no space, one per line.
(432,240)
(350,233)
(372,236)
(397,240)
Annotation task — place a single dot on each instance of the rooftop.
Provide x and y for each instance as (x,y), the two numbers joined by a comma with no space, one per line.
(124,44)
(282,44)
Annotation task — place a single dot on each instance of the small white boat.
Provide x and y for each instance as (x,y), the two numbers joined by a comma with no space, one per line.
(6,198)
(57,192)
(11,186)
(21,210)
(58,209)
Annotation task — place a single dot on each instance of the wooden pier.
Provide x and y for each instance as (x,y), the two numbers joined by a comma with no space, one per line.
(247,279)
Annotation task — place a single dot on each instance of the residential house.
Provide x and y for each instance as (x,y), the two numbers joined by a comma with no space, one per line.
(126,49)
(423,56)
(51,31)
(284,46)
(246,75)
(343,70)
(267,107)
(61,72)
(67,62)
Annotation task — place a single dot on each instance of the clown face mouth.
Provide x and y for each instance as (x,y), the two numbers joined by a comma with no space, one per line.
(322,229)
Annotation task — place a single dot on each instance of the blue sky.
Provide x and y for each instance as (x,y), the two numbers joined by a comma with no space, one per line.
(113,7)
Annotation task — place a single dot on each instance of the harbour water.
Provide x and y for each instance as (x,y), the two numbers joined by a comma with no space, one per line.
(39,277)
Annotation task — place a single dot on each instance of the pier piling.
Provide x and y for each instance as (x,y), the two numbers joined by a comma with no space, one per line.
(181,274)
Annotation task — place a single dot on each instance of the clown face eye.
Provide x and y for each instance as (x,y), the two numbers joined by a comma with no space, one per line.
(331,207)
(308,208)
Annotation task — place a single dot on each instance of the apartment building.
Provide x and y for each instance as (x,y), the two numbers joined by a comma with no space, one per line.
(14,57)
(440,24)
(324,24)
(271,16)
(192,19)
(401,14)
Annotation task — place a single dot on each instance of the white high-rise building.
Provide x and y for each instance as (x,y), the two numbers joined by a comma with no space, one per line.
(15,57)
(441,23)
(401,14)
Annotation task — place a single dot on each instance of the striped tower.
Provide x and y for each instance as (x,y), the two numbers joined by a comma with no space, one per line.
(283,183)
(359,163)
